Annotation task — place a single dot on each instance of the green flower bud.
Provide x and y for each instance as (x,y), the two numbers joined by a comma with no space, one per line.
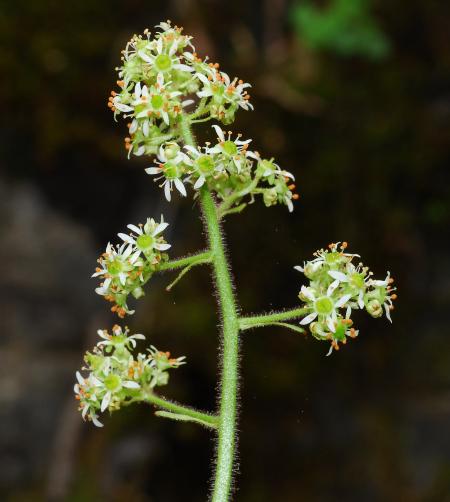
(138,293)
(374,308)
(270,197)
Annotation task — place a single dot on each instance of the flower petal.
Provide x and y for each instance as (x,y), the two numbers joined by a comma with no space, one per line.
(338,275)
(130,385)
(105,401)
(180,186)
(342,301)
(308,318)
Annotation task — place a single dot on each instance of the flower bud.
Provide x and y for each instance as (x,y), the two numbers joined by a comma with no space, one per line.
(374,308)
(171,150)
(138,293)
(312,269)
(270,197)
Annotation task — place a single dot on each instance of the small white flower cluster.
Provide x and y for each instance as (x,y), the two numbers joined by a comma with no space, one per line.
(228,168)
(116,377)
(337,287)
(126,267)
(158,78)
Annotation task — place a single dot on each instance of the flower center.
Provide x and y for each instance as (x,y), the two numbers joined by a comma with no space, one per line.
(112,382)
(217,89)
(145,241)
(230,148)
(205,164)
(115,267)
(170,170)
(163,62)
(357,280)
(324,305)
(157,101)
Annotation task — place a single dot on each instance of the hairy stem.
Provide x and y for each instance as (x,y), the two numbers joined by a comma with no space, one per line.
(190,260)
(181,411)
(269,319)
(230,341)
(230,355)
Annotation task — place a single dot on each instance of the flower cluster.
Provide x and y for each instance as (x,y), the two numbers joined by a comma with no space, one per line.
(159,77)
(228,168)
(126,267)
(337,287)
(116,377)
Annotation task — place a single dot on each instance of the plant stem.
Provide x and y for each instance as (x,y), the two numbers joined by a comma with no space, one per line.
(230,341)
(193,259)
(267,319)
(230,355)
(184,411)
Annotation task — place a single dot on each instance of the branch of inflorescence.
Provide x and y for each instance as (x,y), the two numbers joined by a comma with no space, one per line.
(187,261)
(272,319)
(175,411)
(185,264)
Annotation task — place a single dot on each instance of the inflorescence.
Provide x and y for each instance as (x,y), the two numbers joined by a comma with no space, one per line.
(337,287)
(163,77)
(126,267)
(116,377)
(164,88)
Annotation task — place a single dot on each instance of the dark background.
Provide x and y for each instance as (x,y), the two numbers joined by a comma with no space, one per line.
(352,97)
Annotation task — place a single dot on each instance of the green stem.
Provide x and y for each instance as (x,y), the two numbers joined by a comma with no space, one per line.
(230,355)
(186,269)
(183,411)
(233,210)
(192,259)
(268,319)
(224,208)
(230,341)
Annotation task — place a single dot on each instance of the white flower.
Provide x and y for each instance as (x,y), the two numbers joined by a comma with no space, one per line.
(112,384)
(86,393)
(154,101)
(172,170)
(119,338)
(270,168)
(203,163)
(116,262)
(235,150)
(385,293)
(220,87)
(324,306)
(165,59)
(145,237)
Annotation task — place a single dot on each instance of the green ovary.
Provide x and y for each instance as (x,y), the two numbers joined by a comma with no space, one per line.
(217,89)
(145,241)
(229,148)
(112,382)
(339,334)
(115,267)
(324,306)
(170,170)
(332,257)
(205,164)
(157,101)
(163,62)
(357,280)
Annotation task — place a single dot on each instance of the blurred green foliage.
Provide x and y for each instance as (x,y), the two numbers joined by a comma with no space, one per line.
(345,27)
